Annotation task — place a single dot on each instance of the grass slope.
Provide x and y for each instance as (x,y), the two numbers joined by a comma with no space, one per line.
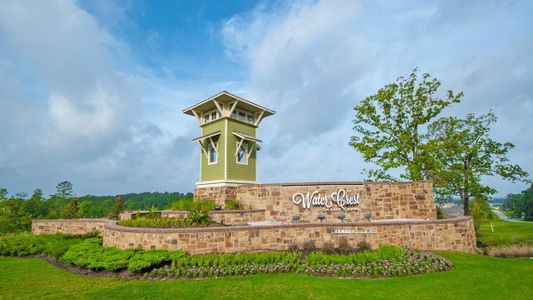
(506,233)
(475,277)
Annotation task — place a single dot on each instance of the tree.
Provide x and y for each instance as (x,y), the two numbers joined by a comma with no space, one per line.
(464,152)
(64,190)
(390,126)
(71,211)
(480,212)
(528,203)
(13,217)
(116,209)
(35,205)
(3,194)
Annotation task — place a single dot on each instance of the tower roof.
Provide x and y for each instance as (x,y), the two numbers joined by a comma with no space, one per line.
(225,97)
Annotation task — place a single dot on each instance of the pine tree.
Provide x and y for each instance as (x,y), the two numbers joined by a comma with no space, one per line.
(71,211)
(116,209)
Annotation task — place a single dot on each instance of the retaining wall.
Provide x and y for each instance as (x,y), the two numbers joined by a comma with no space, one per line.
(76,226)
(452,234)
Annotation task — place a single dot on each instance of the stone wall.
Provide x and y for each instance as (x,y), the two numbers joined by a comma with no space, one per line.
(237,217)
(383,200)
(74,226)
(450,234)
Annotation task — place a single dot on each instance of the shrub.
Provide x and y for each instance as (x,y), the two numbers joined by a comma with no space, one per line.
(195,219)
(309,246)
(363,246)
(25,244)
(198,217)
(143,261)
(344,246)
(328,248)
(89,254)
(232,204)
(293,247)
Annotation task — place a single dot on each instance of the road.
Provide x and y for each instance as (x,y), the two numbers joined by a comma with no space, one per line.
(506,218)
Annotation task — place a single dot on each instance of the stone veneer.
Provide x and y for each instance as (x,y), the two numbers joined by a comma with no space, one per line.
(75,226)
(402,214)
(384,200)
(451,234)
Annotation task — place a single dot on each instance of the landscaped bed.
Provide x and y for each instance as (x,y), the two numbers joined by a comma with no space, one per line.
(87,253)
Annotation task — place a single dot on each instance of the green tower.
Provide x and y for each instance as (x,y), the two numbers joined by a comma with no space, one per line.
(228,144)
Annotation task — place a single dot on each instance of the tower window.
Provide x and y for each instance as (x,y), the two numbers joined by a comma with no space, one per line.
(242,116)
(242,154)
(211,153)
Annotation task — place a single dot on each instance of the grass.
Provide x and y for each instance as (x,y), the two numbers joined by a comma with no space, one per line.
(506,233)
(475,277)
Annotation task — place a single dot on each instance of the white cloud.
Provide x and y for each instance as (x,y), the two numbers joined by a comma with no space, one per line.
(313,61)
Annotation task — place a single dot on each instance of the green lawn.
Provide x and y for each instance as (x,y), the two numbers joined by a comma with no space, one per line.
(475,277)
(506,233)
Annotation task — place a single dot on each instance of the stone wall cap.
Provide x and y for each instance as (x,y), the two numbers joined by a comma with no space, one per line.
(312,183)
(112,224)
(71,220)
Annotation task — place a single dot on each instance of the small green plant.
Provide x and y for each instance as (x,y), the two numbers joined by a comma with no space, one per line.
(232,204)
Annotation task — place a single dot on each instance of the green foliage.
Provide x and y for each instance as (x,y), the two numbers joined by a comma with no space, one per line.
(117,208)
(390,126)
(143,261)
(232,204)
(397,129)
(71,211)
(464,152)
(195,218)
(384,252)
(25,244)
(520,205)
(481,212)
(14,216)
(89,254)
(65,190)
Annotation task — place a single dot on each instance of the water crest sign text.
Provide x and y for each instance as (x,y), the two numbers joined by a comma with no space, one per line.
(342,200)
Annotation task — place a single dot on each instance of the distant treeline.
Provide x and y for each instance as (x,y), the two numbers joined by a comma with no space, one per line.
(17,211)
(521,205)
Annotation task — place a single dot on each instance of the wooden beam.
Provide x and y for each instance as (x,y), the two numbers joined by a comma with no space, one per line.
(213,144)
(239,146)
(248,154)
(196,115)
(203,149)
(232,108)
(258,119)
(220,110)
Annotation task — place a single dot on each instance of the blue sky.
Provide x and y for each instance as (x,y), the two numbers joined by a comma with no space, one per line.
(92,91)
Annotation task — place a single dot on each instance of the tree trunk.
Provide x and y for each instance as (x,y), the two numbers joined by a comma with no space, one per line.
(465,197)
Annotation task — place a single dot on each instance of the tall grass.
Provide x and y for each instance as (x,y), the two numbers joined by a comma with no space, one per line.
(512,251)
